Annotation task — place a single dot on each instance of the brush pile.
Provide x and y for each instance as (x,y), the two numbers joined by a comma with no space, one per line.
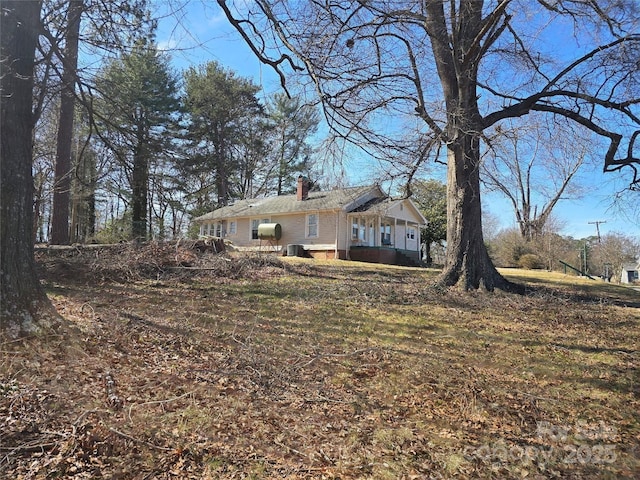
(126,262)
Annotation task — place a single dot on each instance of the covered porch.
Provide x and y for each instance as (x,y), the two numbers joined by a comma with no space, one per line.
(373,237)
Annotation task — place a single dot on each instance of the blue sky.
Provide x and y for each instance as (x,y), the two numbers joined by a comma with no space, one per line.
(200,33)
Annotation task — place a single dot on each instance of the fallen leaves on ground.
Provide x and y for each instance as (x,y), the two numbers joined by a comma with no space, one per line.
(259,367)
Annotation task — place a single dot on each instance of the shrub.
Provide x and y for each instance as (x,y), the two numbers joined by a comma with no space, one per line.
(530,261)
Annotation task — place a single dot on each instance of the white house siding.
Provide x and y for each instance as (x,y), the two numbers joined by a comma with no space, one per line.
(412,243)
(243,232)
(397,234)
(344,231)
(401,239)
(404,211)
(403,218)
(327,229)
(294,228)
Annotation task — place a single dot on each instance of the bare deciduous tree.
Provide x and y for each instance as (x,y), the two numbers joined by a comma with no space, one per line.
(608,256)
(398,76)
(534,167)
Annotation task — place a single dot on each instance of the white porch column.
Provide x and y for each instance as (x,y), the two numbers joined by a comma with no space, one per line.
(347,247)
(395,233)
(406,232)
(335,250)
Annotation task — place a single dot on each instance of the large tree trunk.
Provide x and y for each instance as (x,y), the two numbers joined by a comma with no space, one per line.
(24,306)
(467,264)
(62,186)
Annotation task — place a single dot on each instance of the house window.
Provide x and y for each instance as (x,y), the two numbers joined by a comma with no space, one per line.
(385,234)
(363,229)
(254,226)
(411,233)
(232,227)
(214,229)
(354,229)
(312,225)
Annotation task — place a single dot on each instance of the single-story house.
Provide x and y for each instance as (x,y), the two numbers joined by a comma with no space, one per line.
(358,223)
(630,273)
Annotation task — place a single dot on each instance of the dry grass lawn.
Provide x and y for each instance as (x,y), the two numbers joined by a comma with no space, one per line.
(290,368)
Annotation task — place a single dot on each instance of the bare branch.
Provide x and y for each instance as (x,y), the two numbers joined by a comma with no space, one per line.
(259,52)
(588,56)
(490,30)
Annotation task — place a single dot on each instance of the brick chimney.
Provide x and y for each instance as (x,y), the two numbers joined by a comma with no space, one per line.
(303,188)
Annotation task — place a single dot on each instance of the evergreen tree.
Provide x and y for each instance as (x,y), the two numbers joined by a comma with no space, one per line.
(431,198)
(220,107)
(62,186)
(69,26)
(24,307)
(292,124)
(138,102)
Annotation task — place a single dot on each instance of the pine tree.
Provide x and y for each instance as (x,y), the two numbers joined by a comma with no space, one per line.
(24,307)
(138,103)
(221,107)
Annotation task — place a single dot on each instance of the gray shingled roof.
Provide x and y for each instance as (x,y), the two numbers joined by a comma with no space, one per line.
(331,200)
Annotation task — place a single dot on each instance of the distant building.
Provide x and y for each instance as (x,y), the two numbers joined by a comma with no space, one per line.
(630,273)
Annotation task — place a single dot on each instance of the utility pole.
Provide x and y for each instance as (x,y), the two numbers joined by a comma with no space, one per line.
(597,224)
